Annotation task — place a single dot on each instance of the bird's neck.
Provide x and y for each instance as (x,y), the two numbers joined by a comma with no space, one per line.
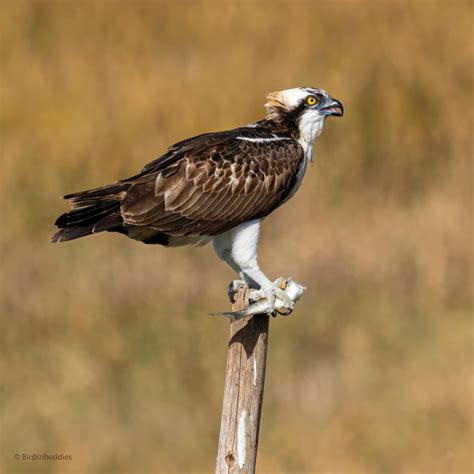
(304,132)
(308,131)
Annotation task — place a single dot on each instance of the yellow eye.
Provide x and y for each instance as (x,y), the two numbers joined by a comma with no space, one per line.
(311,100)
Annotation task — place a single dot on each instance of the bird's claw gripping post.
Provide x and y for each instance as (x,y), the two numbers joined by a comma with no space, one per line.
(233,288)
(280,299)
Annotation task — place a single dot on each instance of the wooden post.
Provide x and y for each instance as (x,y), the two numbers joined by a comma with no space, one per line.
(243,391)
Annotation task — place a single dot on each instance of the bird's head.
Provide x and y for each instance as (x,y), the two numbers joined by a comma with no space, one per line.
(303,109)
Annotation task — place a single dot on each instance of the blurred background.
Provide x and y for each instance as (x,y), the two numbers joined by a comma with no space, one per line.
(109,353)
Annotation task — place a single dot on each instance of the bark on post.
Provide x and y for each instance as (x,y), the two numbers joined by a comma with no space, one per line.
(243,392)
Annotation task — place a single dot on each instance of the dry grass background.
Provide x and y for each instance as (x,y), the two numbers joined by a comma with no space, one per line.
(108,352)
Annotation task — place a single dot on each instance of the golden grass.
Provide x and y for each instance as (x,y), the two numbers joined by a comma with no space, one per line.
(109,354)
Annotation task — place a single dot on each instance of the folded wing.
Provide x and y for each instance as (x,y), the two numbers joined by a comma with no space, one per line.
(213,189)
(201,186)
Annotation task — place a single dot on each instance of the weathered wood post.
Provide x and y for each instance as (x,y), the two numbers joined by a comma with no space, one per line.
(243,391)
(245,378)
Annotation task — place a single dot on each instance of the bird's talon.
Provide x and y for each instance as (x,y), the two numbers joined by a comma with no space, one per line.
(271,311)
(256,295)
(233,288)
(267,301)
(285,311)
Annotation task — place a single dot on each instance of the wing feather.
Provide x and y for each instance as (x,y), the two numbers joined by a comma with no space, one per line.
(206,185)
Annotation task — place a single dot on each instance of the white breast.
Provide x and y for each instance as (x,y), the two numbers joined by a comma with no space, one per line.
(310,126)
(299,178)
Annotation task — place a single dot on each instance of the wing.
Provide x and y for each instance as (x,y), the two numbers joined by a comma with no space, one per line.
(211,183)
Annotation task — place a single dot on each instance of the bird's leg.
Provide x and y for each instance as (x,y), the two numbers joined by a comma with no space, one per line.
(238,247)
(245,281)
(236,285)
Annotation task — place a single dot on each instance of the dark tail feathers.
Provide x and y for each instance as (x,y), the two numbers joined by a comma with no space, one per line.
(92,211)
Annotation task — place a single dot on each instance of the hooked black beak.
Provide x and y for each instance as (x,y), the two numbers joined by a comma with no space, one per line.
(332,107)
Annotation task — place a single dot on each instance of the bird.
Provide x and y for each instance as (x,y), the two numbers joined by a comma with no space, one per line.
(215,187)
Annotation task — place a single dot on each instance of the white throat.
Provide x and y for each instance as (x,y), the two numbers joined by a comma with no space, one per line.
(310,126)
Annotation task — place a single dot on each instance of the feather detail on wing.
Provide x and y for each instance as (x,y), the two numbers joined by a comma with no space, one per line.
(201,186)
(211,183)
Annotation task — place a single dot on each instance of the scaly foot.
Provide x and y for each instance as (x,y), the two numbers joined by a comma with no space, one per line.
(233,288)
(273,292)
(258,303)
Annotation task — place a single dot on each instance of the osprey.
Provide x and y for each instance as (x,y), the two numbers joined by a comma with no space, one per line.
(214,187)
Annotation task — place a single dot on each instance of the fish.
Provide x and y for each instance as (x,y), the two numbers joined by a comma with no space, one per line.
(259,304)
